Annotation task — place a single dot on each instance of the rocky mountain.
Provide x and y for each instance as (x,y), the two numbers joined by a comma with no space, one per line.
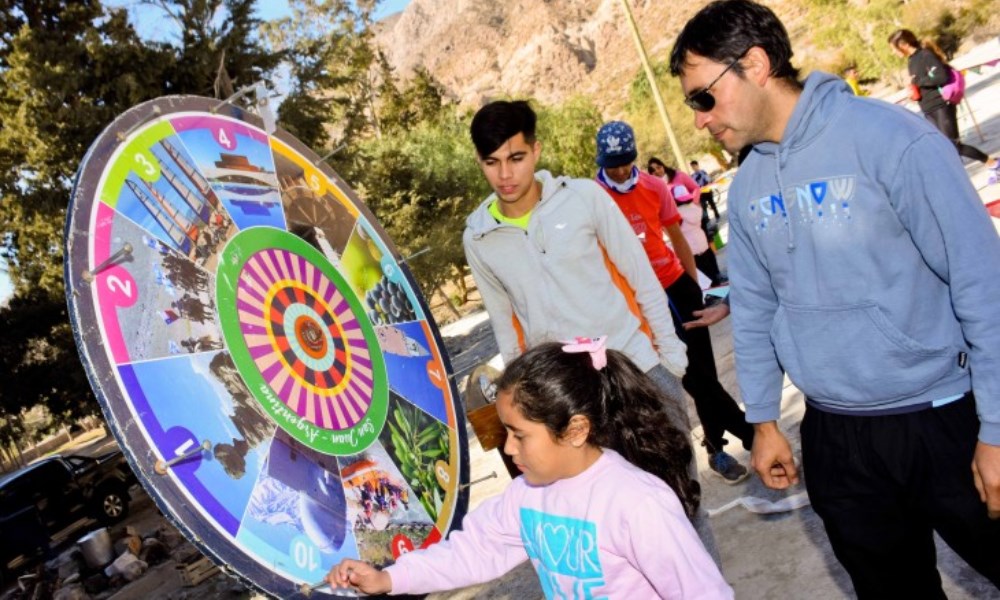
(549,50)
(546,49)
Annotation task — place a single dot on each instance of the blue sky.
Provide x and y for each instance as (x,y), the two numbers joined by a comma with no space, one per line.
(150,23)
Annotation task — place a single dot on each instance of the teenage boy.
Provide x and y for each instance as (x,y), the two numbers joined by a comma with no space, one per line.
(554,259)
(864,266)
(649,208)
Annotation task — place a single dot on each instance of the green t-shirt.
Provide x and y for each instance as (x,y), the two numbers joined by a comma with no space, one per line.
(521,221)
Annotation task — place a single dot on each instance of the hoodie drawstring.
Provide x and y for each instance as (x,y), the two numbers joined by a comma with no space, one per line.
(784,207)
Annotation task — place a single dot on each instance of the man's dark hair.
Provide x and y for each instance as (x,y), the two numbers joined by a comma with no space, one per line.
(694,163)
(499,121)
(725,30)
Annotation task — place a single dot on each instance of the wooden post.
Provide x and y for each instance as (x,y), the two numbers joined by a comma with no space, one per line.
(678,155)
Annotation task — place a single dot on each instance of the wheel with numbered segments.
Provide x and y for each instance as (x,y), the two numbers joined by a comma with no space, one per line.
(259,349)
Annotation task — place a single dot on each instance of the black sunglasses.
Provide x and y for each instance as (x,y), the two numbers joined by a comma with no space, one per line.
(703,100)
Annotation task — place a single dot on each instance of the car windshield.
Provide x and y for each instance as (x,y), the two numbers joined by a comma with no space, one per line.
(76,461)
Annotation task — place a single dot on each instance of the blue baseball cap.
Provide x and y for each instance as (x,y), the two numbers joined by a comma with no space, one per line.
(615,145)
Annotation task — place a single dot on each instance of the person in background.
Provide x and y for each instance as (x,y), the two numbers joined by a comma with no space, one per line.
(707,196)
(865,271)
(851,77)
(685,191)
(648,205)
(699,175)
(604,501)
(929,71)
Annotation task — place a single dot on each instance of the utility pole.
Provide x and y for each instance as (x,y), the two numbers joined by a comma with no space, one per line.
(678,155)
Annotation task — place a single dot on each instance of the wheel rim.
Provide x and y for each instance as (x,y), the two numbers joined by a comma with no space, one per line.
(113,505)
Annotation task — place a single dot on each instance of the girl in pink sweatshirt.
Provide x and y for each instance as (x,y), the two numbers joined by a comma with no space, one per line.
(602,506)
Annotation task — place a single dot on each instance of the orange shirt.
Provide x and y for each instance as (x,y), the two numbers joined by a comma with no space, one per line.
(649,208)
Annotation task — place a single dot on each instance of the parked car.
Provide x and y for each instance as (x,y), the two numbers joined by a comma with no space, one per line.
(48,496)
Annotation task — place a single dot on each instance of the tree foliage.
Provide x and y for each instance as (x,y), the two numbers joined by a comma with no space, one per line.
(214,32)
(67,69)
(421,179)
(568,133)
(39,361)
(334,71)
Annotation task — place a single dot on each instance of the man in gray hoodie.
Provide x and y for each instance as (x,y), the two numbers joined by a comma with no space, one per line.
(863,265)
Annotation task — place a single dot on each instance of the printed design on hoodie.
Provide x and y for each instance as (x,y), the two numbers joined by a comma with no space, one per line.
(822,203)
(562,549)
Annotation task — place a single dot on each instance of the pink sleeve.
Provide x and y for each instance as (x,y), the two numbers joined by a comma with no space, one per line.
(668,207)
(488,546)
(666,548)
(689,183)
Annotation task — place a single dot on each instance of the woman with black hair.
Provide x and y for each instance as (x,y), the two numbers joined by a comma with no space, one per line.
(929,71)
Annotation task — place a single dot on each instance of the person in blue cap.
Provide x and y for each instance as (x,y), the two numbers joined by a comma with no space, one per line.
(649,207)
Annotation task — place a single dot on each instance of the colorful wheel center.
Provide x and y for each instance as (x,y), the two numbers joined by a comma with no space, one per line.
(301,340)
(312,346)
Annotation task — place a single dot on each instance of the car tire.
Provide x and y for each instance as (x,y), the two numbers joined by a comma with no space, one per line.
(111,504)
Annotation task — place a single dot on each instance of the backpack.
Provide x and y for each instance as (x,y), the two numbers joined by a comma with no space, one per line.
(954,90)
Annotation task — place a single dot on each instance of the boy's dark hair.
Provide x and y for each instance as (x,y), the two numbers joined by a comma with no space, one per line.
(499,121)
(694,163)
(624,407)
(725,30)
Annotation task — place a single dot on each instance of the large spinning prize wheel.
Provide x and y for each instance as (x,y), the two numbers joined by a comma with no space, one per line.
(259,349)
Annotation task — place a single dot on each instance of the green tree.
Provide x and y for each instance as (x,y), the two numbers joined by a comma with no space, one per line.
(568,136)
(67,69)
(421,101)
(334,71)
(422,183)
(214,33)
(39,361)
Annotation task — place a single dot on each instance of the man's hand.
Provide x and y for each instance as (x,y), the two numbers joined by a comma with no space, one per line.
(360,576)
(710,315)
(771,457)
(986,473)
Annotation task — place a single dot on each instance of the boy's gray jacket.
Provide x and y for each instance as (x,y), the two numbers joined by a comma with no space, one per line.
(553,282)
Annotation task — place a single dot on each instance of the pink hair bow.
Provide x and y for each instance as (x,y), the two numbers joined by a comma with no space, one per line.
(593,346)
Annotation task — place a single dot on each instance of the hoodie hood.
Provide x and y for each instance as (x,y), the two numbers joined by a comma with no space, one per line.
(822,99)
